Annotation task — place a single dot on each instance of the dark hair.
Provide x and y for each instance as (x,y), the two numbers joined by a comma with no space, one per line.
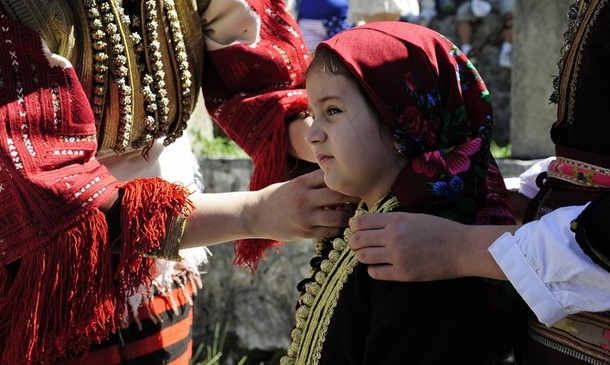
(327,61)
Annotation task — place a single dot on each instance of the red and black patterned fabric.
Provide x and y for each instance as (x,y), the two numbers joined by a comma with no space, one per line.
(161,334)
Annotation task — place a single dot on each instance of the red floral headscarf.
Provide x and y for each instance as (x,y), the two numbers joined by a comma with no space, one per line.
(438,109)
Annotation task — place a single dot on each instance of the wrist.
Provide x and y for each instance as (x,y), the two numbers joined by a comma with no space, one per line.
(251,223)
(460,252)
(475,258)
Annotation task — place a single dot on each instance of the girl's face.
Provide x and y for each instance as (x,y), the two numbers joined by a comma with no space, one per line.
(357,155)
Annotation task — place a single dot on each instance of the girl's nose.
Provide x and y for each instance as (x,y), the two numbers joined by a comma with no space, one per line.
(314,134)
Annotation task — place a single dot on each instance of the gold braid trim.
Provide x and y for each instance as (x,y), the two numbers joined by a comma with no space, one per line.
(54,21)
(317,303)
(140,68)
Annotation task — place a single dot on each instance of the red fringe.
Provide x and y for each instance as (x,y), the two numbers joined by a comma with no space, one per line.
(66,296)
(146,207)
(250,252)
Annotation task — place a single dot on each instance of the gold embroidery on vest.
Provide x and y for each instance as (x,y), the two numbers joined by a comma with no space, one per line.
(318,302)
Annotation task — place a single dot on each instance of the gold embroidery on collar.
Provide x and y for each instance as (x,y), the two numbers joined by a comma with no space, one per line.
(319,299)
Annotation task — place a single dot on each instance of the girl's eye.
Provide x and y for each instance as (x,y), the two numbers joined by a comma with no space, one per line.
(333,110)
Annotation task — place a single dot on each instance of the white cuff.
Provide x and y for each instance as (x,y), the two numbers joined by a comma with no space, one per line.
(550,271)
(526,280)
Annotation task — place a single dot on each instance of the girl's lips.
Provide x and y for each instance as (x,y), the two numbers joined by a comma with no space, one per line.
(322,159)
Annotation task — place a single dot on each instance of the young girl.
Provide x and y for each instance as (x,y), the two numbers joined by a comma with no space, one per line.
(403,121)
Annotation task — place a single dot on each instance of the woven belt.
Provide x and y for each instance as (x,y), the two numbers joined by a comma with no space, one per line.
(579,173)
(584,336)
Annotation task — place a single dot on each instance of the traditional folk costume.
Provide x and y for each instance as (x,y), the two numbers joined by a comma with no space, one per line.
(438,109)
(580,173)
(91,91)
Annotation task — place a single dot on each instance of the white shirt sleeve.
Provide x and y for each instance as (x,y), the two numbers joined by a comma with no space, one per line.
(527,180)
(552,274)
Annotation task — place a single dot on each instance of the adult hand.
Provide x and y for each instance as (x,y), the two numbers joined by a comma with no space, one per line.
(297,209)
(404,247)
(303,208)
(418,247)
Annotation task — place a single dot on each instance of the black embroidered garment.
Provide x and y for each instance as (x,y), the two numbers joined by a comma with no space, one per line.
(345,317)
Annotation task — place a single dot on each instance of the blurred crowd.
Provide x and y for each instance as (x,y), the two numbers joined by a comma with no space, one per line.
(321,19)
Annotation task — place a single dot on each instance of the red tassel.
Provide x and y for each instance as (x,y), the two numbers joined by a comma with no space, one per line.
(270,166)
(250,252)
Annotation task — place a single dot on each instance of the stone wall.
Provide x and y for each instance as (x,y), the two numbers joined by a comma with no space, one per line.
(520,95)
(539,28)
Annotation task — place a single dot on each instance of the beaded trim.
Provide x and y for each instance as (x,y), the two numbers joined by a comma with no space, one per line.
(582,12)
(317,302)
(186,78)
(113,19)
(579,173)
(154,91)
(110,53)
(100,59)
(575,15)
(103,15)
